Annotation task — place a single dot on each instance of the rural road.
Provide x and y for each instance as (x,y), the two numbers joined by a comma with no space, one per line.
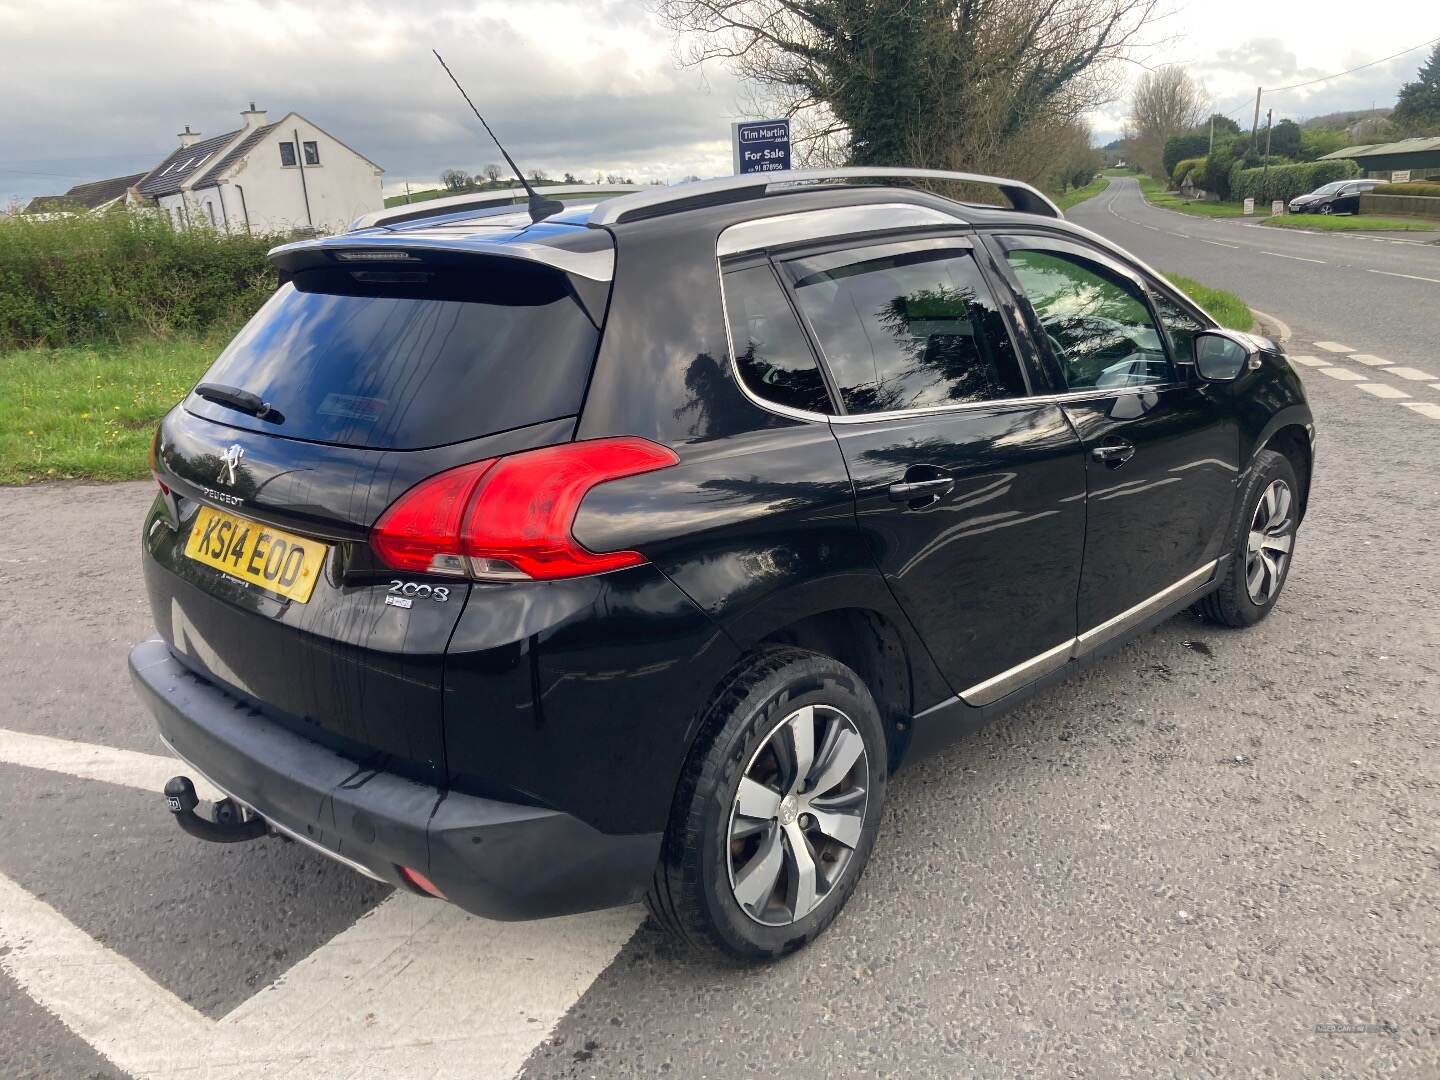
(1213,853)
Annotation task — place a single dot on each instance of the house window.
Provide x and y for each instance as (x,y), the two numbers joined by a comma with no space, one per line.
(312,153)
(287,153)
(211,208)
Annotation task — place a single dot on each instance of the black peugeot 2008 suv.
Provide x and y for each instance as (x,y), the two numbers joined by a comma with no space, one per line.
(549,565)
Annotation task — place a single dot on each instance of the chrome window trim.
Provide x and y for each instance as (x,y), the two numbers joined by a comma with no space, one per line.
(1012,679)
(830,222)
(1085,394)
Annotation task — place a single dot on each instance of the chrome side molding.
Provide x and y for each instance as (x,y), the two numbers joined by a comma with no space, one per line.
(1012,679)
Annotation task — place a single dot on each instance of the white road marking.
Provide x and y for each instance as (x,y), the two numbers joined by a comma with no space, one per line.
(1372,361)
(1152,228)
(1413,374)
(1333,346)
(88,761)
(417,987)
(1343,374)
(1412,277)
(97,993)
(1382,390)
(1217,243)
(1309,361)
(1424,408)
(1183,236)
(1297,258)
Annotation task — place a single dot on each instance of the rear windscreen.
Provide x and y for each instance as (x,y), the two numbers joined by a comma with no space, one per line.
(402,360)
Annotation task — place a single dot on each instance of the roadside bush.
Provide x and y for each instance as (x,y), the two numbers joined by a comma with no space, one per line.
(1287,181)
(1189,167)
(1180,147)
(114,277)
(1414,187)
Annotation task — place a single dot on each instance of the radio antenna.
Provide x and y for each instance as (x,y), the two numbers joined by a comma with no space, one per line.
(540,207)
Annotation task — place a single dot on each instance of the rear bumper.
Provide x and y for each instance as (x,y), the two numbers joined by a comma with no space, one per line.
(495,859)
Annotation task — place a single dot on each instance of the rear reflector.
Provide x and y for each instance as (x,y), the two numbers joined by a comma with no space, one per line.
(421,882)
(510,518)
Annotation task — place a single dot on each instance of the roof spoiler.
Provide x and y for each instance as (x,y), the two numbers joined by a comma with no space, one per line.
(658,201)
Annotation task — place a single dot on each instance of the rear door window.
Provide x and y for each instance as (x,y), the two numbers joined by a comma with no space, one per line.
(907,326)
(407,360)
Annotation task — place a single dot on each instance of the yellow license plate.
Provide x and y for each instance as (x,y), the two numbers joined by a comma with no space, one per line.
(277,561)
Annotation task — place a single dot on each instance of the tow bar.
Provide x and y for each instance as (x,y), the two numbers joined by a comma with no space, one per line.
(231,826)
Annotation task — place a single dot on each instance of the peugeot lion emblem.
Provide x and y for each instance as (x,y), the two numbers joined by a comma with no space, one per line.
(232,457)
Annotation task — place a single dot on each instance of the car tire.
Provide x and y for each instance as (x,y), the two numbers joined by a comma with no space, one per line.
(1262,545)
(1327,208)
(709,888)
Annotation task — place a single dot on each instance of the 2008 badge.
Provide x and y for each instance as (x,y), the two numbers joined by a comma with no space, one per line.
(417,590)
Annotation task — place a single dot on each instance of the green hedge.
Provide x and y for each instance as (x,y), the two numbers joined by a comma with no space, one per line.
(1287,181)
(1184,168)
(1414,187)
(114,277)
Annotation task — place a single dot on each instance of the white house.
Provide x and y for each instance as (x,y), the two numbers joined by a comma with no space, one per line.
(280,177)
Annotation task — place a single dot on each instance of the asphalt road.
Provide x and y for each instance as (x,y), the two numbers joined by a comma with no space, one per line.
(1197,858)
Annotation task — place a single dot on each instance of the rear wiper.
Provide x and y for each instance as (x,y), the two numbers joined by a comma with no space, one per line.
(243,400)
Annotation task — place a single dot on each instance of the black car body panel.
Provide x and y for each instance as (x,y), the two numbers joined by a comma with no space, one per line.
(478,738)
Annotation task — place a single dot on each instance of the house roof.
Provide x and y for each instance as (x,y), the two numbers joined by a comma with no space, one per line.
(167,177)
(89,196)
(1423,144)
(238,151)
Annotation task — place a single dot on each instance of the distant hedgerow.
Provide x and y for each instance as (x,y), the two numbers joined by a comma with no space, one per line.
(111,277)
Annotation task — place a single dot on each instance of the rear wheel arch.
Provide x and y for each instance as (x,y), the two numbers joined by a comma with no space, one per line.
(873,647)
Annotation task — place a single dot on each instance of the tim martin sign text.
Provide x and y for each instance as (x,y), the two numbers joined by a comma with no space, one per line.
(761,145)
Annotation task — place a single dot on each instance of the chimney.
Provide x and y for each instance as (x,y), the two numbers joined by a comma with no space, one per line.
(252,117)
(188,137)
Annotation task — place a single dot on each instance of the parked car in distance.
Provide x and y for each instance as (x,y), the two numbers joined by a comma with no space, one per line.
(549,565)
(1339,197)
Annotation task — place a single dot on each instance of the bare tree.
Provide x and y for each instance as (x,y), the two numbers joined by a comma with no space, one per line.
(1166,102)
(538,176)
(455,179)
(492,173)
(947,83)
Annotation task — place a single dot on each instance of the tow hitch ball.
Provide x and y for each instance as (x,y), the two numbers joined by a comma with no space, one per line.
(230,825)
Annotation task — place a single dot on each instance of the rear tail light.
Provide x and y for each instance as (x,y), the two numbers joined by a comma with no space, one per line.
(421,882)
(510,518)
(155,463)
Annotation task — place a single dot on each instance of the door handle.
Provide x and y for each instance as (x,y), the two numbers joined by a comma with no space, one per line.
(910,490)
(1113,455)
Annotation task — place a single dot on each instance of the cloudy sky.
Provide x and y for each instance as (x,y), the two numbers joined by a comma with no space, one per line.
(97,88)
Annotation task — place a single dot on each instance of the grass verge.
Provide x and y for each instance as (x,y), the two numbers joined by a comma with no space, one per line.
(1349,223)
(1229,310)
(1078,195)
(90,410)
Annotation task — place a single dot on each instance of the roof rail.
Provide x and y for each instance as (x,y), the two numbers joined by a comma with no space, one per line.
(656,201)
(477,201)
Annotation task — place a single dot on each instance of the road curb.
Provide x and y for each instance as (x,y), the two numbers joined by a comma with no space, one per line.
(1272,327)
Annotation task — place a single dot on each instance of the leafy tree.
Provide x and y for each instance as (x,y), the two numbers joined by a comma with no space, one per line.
(1286,139)
(1223,125)
(570,178)
(1417,110)
(967,84)
(1319,141)
(1179,147)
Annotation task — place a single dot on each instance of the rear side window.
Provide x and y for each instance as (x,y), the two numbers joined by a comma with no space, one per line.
(906,329)
(774,359)
(406,360)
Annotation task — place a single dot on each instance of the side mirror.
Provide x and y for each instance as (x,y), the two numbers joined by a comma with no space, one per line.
(1223,355)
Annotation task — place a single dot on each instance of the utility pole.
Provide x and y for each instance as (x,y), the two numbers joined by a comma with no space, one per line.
(1255,128)
(1212,135)
(1265,172)
(407,192)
